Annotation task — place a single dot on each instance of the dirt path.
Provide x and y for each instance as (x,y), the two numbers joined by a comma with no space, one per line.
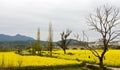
(114,68)
(97,66)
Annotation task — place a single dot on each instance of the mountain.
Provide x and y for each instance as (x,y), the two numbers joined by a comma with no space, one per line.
(24,41)
(18,37)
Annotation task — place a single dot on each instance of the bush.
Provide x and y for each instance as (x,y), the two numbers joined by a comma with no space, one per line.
(74,48)
(70,53)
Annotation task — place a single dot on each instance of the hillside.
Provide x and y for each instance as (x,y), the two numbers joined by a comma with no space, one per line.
(17,37)
(23,41)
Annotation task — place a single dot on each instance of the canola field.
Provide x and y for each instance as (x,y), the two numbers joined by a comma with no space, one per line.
(112,58)
(10,58)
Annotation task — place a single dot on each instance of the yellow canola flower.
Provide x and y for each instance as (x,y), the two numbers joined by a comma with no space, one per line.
(112,58)
(10,58)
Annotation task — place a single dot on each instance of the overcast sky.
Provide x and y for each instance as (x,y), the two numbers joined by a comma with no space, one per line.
(25,16)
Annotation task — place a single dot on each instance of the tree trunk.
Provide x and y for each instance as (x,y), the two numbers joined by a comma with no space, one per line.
(33,52)
(40,53)
(101,64)
(64,51)
(50,53)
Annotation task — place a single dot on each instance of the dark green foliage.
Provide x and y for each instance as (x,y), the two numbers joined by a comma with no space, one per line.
(37,45)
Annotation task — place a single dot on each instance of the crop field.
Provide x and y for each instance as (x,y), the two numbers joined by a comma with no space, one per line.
(10,58)
(112,58)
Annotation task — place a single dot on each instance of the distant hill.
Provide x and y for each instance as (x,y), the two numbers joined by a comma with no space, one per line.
(23,41)
(18,37)
(75,42)
(72,41)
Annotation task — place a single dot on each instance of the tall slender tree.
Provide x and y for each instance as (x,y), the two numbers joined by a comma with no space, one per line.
(50,39)
(37,45)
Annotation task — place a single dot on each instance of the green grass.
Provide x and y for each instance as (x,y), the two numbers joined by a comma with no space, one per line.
(58,67)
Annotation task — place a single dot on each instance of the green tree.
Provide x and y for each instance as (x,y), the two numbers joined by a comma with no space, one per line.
(37,45)
(64,42)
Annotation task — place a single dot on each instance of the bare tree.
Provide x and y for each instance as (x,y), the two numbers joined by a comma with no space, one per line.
(64,42)
(50,39)
(82,40)
(103,21)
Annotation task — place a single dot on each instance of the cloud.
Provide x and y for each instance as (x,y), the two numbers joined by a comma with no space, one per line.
(25,16)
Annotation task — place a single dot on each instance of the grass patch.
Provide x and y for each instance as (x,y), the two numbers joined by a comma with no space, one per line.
(58,67)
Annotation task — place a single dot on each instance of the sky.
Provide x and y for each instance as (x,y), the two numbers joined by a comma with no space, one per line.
(26,16)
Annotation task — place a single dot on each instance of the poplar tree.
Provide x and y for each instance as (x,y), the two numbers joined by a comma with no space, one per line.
(37,45)
(50,39)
